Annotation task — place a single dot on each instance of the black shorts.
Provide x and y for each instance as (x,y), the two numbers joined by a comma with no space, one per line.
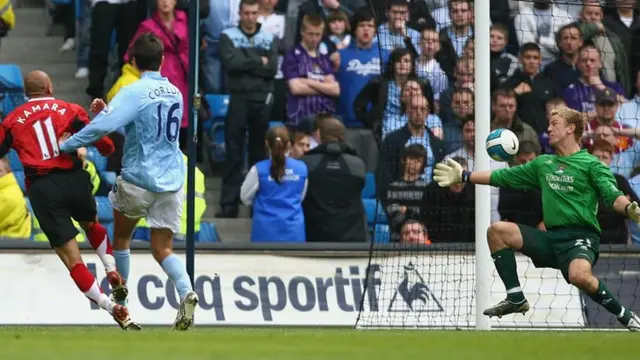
(58,197)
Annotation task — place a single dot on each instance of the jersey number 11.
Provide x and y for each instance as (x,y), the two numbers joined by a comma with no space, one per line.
(42,141)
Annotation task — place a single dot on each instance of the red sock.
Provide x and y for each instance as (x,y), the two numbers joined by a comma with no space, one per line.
(88,284)
(99,239)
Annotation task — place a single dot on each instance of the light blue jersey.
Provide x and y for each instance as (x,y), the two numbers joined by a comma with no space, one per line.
(150,110)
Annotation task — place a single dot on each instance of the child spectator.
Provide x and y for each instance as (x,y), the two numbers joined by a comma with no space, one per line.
(301,144)
(276,187)
(503,64)
(339,29)
(427,66)
(404,196)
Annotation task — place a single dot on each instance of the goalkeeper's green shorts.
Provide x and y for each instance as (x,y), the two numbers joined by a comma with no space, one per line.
(556,248)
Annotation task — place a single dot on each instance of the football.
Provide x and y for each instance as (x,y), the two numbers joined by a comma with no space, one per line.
(502,145)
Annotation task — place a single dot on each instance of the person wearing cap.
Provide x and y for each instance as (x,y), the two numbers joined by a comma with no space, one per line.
(606,106)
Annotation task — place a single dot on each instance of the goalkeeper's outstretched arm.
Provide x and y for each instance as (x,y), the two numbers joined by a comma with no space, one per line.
(450,173)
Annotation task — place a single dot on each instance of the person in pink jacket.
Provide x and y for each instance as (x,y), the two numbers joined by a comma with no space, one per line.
(170,25)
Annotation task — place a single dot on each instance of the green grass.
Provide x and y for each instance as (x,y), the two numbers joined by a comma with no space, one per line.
(100,343)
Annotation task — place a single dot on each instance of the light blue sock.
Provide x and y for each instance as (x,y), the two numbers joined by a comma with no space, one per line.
(123,262)
(174,267)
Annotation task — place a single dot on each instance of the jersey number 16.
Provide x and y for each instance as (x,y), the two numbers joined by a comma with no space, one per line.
(173,122)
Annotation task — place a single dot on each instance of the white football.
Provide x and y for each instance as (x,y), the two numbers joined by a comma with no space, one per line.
(502,145)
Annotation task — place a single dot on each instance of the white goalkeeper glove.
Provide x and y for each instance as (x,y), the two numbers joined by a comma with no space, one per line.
(448,173)
(633,212)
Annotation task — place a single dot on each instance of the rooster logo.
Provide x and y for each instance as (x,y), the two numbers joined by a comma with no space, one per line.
(414,292)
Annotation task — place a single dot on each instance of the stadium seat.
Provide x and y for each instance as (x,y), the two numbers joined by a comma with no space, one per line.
(20,178)
(370,209)
(109,227)
(382,235)
(109,177)
(11,88)
(14,161)
(207,233)
(105,211)
(275,123)
(219,105)
(369,191)
(141,234)
(98,160)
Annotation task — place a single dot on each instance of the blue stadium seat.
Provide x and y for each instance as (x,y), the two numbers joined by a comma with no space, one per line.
(219,105)
(207,233)
(372,212)
(275,123)
(98,160)
(105,211)
(381,234)
(142,234)
(14,161)
(369,191)
(109,177)
(11,88)
(20,178)
(109,227)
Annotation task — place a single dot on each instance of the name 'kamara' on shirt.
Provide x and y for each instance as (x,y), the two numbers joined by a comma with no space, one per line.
(570,185)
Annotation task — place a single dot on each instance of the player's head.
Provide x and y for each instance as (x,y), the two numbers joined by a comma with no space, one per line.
(413,160)
(331,130)
(278,144)
(565,127)
(148,53)
(603,150)
(37,84)
(527,151)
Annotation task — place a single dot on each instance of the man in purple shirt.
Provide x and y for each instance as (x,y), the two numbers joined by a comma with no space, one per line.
(580,95)
(313,88)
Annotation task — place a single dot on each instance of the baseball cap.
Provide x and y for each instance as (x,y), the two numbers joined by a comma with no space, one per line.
(606,95)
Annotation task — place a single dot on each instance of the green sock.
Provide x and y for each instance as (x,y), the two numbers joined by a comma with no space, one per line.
(505,262)
(610,302)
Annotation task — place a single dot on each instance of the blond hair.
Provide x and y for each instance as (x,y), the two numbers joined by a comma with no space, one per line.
(572,117)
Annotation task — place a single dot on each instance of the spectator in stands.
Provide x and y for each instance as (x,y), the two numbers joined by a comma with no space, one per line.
(503,106)
(413,232)
(413,87)
(276,188)
(360,62)
(414,132)
(66,12)
(7,17)
(419,14)
(462,106)
(339,29)
(622,162)
(449,213)
(503,64)
(580,95)
(440,14)
(323,8)
(551,105)
(456,35)
(170,25)
(395,33)
(614,226)
(606,104)
(275,23)
(564,71)
(15,219)
(464,75)
(522,206)
(99,186)
(223,14)
(538,22)
(250,57)
(623,21)
(83,47)
(427,66)
(107,16)
(310,75)
(333,206)
(627,114)
(615,60)
(403,198)
(300,144)
(533,89)
(378,105)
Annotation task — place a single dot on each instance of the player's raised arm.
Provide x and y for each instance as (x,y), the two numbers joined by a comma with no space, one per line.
(450,173)
(607,188)
(122,110)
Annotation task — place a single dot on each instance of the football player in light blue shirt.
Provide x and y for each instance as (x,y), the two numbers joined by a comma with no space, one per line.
(153,169)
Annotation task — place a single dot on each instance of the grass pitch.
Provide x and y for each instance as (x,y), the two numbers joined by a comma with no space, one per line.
(101,343)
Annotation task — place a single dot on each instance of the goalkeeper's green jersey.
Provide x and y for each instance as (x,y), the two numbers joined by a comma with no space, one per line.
(570,185)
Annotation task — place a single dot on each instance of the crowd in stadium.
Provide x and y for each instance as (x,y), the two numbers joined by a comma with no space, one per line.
(382,90)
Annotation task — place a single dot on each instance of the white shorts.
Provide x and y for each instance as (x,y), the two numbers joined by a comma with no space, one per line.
(161,210)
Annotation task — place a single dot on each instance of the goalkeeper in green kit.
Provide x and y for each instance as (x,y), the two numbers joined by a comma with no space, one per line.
(571,182)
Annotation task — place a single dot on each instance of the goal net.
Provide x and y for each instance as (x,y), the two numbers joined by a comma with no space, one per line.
(422,271)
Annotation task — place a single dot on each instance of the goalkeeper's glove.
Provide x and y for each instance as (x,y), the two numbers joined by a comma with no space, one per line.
(633,212)
(449,173)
